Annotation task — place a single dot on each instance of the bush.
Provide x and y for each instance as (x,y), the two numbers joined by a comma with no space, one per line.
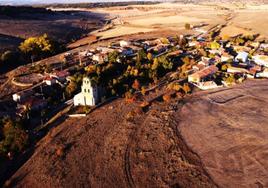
(186,88)
(136,85)
(15,139)
(166,98)
(143,90)
(187,26)
(60,151)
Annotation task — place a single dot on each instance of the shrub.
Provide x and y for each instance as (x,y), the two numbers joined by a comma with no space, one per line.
(186,88)
(136,85)
(143,90)
(15,139)
(60,151)
(187,26)
(130,116)
(166,98)
(149,56)
(144,104)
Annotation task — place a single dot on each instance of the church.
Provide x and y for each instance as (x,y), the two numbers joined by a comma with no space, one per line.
(88,95)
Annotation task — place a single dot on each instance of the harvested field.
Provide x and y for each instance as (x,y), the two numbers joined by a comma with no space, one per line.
(173,16)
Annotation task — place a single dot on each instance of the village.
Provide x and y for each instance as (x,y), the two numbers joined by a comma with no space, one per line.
(114,70)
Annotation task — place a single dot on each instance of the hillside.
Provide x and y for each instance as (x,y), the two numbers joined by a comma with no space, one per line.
(22,22)
(209,139)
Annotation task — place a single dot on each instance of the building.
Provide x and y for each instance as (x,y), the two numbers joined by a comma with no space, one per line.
(202,74)
(242,57)
(198,67)
(104,50)
(85,53)
(242,49)
(127,52)
(22,96)
(88,95)
(264,46)
(207,85)
(124,43)
(100,57)
(263,74)
(49,80)
(254,70)
(232,69)
(60,75)
(175,53)
(33,103)
(261,60)
(226,57)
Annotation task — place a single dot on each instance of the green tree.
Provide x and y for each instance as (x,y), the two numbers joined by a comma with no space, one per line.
(112,57)
(71,89)
(150,56)
(155,64)
(37,46)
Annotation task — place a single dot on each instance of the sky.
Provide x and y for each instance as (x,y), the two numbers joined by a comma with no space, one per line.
(23,2)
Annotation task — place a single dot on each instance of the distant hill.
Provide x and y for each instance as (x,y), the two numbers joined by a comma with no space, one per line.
(31,2)
(21,22)
(19,12)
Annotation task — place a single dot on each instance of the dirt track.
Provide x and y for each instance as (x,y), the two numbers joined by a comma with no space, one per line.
(211,139)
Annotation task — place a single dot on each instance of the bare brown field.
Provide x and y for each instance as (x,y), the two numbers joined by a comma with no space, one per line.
(228,130)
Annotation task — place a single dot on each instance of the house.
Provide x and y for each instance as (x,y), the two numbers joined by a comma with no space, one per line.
(242,57)
(160,48)
(33,103)
(264,46)
(175,53)
(207,85)
(263,74)
(226,57)
(49,80)
(100,57)
(149,43)
(261,60)
(232,69)
(126,52)
(193,43)
(198,67)
(215,51)
(254,70)
(88,95)
(202,74)
(239,49)
(124,43)
(85,53)
(254,44)
(22,96)
(104,50)
(60,75)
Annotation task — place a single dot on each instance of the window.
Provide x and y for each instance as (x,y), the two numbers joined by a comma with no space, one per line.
(85,90)
(88,90)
